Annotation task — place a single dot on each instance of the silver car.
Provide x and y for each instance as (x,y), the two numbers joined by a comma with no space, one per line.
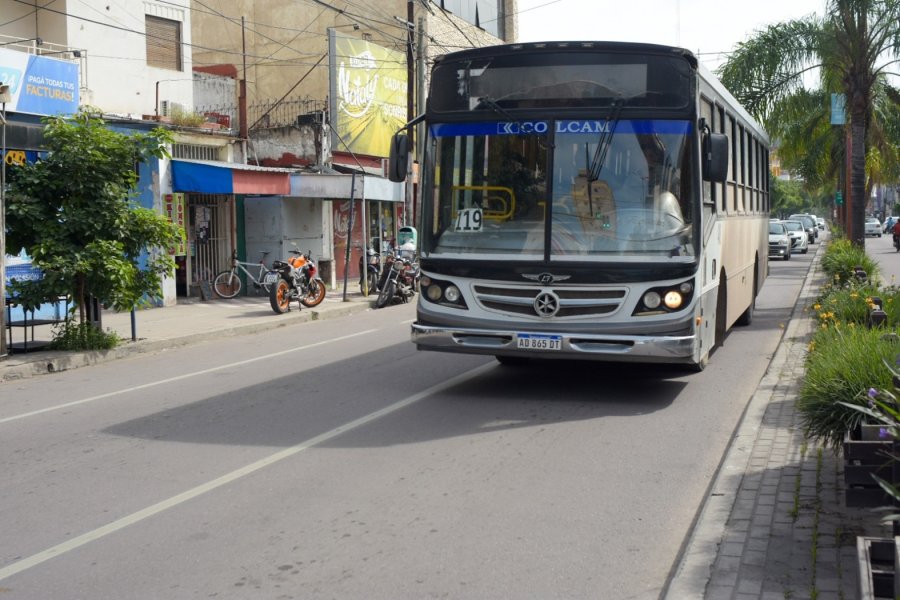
(799,236)
(873,226)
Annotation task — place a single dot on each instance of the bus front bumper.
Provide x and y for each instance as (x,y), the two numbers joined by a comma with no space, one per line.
(636,348)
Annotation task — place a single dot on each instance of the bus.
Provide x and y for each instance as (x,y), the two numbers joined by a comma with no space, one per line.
(585,200)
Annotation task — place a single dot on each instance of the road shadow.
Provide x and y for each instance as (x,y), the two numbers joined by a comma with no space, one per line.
(288,410)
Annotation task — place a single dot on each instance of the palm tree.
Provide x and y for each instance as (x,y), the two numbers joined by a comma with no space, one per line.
(851,49)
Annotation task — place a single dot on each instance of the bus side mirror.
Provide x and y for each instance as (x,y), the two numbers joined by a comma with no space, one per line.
(399,157)
(715,157)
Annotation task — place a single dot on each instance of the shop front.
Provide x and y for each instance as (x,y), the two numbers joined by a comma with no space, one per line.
(206,195)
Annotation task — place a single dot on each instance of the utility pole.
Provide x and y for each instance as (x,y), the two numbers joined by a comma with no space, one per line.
(5,97)
(410,100)
(419,147)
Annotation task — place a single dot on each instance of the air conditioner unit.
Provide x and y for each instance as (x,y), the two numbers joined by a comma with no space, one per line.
(167,108)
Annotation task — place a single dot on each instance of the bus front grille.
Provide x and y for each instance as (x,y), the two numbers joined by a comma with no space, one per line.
(572,302)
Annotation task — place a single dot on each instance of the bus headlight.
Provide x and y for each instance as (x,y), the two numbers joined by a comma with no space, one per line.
(452,294)
(652,300)
(663,300)
(433,292)
(673,300)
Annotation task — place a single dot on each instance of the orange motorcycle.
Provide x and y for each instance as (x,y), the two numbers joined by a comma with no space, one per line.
(298,279)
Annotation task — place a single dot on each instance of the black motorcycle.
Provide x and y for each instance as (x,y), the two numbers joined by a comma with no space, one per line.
(399,280)
(368,272)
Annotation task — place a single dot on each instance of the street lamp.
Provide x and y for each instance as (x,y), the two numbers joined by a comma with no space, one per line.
(5,96)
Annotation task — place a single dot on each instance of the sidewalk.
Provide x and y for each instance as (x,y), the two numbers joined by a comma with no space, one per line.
(190,321)
(774,524)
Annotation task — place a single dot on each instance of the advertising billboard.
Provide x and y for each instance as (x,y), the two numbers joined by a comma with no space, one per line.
(368,95)
(39,85)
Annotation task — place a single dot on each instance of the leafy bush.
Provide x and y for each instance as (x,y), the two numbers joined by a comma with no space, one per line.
(853,303)
(82,336)
(841,259)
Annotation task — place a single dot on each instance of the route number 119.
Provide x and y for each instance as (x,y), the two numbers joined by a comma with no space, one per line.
(469,219)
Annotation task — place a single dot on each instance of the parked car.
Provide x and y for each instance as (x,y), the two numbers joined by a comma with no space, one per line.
(779,241)
(809,224)
(873,226)
(799,236)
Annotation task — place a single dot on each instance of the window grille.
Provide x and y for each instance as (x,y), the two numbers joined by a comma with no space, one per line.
(195,152)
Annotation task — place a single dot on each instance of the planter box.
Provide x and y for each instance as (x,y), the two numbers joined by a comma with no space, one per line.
(867,452)
(879,562)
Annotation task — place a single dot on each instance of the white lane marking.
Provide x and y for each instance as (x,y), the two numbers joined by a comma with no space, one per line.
(136,517)
(180,377)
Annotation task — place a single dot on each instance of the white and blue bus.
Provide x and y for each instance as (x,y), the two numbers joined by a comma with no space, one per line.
(586,200)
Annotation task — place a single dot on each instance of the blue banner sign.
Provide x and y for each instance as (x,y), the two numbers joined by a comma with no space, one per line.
(584,127)
(39,85)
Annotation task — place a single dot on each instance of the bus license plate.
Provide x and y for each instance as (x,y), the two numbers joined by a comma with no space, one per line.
(532,341)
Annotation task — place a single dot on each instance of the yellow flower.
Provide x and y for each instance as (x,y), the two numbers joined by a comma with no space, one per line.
(854,295)
(817,306)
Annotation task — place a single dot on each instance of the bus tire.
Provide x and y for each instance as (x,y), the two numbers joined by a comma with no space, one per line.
(746,317)
(512,361)
(721,312)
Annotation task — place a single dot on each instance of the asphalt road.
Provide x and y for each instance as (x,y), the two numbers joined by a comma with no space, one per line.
(332,460)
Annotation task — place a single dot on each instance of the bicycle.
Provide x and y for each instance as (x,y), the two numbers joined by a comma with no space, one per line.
(227,284)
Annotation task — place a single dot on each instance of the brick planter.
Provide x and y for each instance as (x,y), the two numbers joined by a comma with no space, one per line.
(867,452)
(879,561)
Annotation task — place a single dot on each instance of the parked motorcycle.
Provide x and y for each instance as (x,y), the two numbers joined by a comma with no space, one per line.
(297,279)
(368,273)
(400,280)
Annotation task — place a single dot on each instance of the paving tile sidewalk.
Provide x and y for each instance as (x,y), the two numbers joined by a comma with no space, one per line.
(774,525)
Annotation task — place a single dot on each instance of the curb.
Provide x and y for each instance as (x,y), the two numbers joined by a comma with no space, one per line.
(693,572)
(53,362)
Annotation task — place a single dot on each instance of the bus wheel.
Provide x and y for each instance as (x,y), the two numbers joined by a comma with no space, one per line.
(746,317)
(721,312)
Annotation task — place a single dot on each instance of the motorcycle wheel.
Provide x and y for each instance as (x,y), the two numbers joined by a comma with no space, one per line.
(372,277)
(280,297)
(314,295)
(386,294)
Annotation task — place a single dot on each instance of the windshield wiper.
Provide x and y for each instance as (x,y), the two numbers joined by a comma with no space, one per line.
(593,166)
(492,104)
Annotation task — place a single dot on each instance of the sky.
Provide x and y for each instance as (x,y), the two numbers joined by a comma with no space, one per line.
(708,28)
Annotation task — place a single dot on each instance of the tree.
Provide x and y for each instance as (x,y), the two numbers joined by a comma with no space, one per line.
(787,197)
(73,214)
(851,49)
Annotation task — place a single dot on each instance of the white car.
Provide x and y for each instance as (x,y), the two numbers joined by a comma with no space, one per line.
(799,237)
(873,226)
(779,241)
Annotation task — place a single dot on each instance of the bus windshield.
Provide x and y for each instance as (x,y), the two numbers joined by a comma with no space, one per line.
(616,188)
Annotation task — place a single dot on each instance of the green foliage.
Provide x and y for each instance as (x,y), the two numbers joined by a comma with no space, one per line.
(840,262)
(844,361)
(853,304)
(187,118)
(82,336)
(73,214)
(850,48)
(787,197)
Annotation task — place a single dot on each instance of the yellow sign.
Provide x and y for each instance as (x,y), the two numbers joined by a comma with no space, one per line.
(174,208)
(368,84)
